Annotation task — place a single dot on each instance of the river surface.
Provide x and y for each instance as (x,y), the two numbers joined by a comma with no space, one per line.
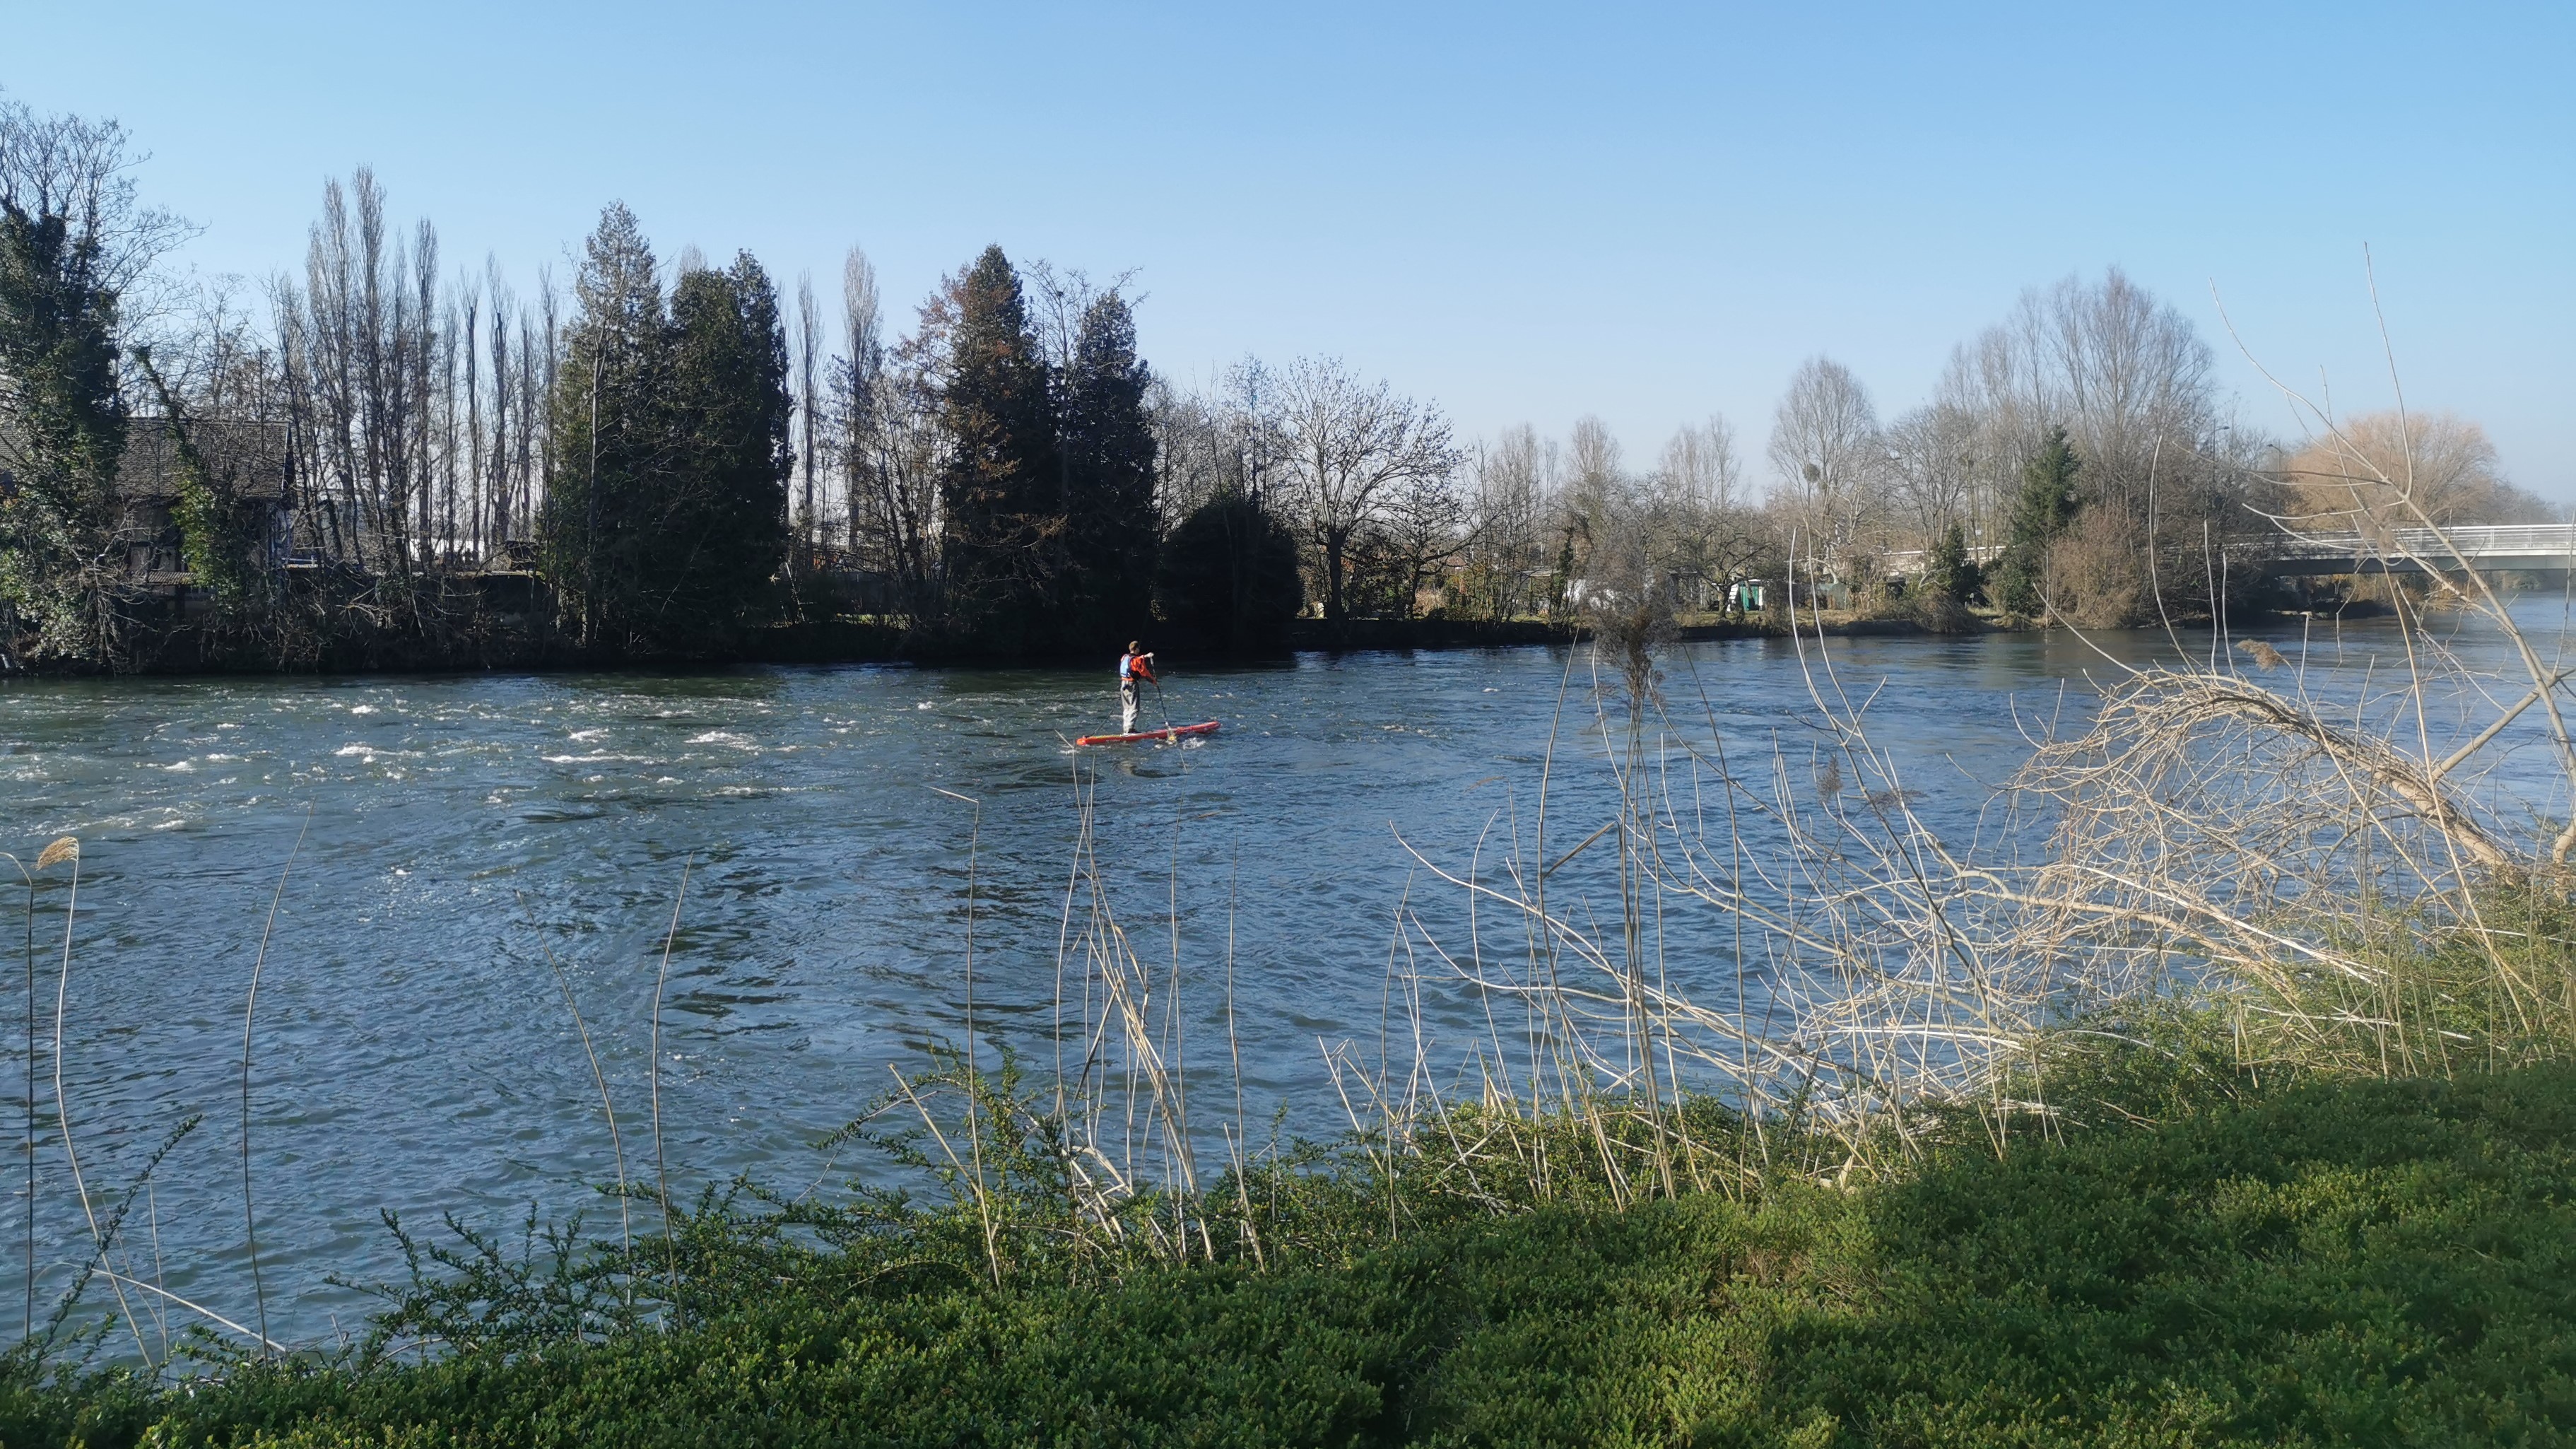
(455,840)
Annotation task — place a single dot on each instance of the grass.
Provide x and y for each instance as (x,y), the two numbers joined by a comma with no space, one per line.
(2328,1262)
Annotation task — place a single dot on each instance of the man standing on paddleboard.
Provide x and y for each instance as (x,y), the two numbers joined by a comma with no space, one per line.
(1132,666)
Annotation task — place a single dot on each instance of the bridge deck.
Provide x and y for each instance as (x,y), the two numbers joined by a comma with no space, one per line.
(2485,548)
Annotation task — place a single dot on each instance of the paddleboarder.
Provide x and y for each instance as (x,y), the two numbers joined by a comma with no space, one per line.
(1132,666)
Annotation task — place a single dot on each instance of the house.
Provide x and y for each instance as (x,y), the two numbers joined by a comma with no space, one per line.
(252,463)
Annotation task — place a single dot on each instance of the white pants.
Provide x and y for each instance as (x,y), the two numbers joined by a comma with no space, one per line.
(1127,706)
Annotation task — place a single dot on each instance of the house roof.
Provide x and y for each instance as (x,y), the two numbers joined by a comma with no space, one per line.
(252,458)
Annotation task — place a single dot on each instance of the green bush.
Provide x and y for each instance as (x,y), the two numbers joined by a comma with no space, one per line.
(2353,1262)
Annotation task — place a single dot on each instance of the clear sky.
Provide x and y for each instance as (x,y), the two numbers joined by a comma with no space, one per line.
(1529,213)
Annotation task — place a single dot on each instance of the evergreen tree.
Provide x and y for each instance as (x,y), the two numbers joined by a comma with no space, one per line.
(1229,581)
(1108,463)
(668,514)
(2041,511)
(606,434)
(58,356)
(1001,493)
(1948,570)
(722,530)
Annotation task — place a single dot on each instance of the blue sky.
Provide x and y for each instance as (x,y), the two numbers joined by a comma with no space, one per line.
(1529,213)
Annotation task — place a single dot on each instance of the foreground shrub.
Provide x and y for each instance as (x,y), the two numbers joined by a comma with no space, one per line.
(2379,1262)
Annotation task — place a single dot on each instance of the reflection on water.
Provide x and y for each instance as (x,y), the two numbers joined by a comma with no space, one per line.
(461,835)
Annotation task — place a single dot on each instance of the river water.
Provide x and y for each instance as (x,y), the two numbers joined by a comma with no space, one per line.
(455,840)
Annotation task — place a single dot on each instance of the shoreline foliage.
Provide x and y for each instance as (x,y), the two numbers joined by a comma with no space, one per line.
(2326,1262)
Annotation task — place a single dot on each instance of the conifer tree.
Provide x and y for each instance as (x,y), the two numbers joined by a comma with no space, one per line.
(1109,454)
(606,433)
(1001,493)
(1228,581)
(1948,570)
(2041,510)
(668,515)
(722,531)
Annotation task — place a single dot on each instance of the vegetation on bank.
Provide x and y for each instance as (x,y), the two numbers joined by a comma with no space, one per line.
(2333,1261)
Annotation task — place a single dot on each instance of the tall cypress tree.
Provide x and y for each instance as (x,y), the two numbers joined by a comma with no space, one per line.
(667,518)
(1109,454)
(1001,493)
(607,431)
(722,535)
(2041,510)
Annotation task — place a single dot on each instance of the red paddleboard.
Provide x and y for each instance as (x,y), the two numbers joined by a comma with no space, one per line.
(1168,732)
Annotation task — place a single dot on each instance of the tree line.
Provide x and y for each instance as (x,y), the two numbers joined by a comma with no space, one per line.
(678,452)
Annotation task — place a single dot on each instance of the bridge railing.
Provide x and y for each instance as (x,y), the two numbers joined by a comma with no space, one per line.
(2473,542)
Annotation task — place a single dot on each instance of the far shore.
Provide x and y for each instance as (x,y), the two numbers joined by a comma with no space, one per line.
(864,640)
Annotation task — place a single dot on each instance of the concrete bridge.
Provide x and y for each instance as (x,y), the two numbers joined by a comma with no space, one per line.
(2486,548)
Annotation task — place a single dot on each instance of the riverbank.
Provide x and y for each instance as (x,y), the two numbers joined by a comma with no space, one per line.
(168,641)
(497,622)
(2334,1262)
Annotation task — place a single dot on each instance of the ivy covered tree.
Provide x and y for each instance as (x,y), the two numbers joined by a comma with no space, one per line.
(1109,456)
(2041,511)
(71,236)
(1003,544)
(217,534)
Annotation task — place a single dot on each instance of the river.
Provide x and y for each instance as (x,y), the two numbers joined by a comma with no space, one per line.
(453,840)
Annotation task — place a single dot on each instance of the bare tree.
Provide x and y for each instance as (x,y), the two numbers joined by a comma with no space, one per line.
(2380,471)
(80,170)
(1349,447)
(1700,467)
(1515,478)
(891,443)
(358,342)
(1425,526)
(1826,455)
(809,396)
(1222,441)
(494,471)
(1932,456)
(1592,455)
(2165,466)
(1702,530)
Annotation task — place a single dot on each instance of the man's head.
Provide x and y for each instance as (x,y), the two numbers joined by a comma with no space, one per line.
(1133,647)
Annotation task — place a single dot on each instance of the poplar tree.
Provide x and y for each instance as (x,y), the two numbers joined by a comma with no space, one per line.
(1109,457)
(1001,492)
